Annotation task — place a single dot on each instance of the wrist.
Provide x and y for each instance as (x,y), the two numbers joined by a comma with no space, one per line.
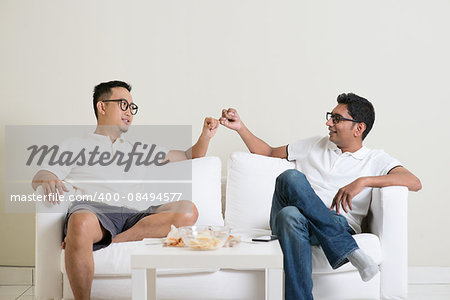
(365,181)
(241,129)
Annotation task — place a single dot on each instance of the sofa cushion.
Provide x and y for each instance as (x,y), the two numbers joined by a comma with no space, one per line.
(199,181)
(250,186)
(114,260)
(206,190)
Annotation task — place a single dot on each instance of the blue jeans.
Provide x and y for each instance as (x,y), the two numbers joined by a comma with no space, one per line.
(300,219)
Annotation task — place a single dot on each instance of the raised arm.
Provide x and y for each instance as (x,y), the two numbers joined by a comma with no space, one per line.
(210,126)
(231,120)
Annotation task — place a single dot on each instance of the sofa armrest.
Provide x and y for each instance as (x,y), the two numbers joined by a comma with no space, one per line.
(389,209)
(49,232)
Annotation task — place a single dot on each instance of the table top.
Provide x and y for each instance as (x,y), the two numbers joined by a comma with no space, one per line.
(152,255)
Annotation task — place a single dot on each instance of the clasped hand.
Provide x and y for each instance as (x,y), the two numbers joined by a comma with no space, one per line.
(231,119)
(210,126)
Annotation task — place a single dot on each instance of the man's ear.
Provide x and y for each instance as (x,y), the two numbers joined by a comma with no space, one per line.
(101,106)
(360,128)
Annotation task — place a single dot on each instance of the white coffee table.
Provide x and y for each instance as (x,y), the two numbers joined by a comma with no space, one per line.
(264,255)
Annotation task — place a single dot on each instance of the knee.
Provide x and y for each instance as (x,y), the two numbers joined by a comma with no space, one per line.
(290,176)
(81,225)
(192,215)
(290,220)
(188,214)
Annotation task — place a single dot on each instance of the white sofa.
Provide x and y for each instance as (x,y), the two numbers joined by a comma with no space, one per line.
(249,187)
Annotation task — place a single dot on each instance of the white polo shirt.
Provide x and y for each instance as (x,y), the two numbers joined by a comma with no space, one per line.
(328,169)
(110,180)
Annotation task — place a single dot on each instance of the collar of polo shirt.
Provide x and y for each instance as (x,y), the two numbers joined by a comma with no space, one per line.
(102,137)
(360,154)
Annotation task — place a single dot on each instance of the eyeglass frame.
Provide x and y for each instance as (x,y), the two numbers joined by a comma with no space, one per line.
(333,118)
(127,107)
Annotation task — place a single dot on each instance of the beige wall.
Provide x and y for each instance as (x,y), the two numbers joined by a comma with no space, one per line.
(281,63)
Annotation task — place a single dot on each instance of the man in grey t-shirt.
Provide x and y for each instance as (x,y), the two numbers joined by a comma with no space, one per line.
(92,225)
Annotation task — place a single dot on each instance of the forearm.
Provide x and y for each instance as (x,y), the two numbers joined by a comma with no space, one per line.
(199,149)
(399,179)
(253,143)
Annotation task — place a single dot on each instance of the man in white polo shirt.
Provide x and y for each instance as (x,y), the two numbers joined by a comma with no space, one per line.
(334,172)
(104,165)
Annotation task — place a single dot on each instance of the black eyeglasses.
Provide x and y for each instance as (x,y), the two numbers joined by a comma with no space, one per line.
(124,105)
(337,118)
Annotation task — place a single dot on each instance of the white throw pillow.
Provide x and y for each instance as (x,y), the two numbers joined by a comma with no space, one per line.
(206,190)
(250,187)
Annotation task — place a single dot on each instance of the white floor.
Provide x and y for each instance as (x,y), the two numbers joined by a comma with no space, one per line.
(425,283)
(415,292)
(13,292)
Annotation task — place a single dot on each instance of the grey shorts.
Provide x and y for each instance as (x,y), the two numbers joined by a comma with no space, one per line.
(114,219)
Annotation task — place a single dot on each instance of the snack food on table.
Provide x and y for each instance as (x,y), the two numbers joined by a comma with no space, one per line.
(201,237)
(204,237)
(204,243)
(232,241)
(173,238)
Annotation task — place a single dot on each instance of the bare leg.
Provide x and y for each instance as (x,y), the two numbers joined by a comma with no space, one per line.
(180,213)
(83,231)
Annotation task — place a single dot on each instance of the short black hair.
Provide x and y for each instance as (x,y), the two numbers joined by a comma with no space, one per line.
(104,88)
(360,109)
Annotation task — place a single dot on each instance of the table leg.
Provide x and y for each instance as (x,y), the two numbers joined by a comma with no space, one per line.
(274,284)
(143,283)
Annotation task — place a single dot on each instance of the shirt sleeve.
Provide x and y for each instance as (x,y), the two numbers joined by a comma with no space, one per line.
(300,149)
(385,163)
